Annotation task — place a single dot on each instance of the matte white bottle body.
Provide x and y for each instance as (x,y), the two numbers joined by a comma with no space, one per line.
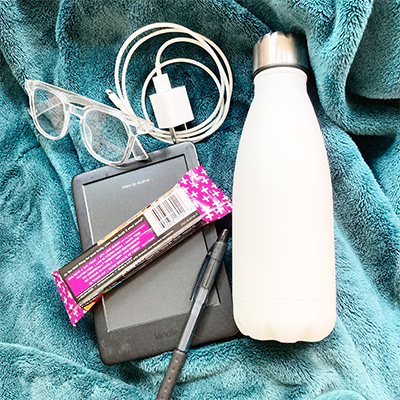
(283,238)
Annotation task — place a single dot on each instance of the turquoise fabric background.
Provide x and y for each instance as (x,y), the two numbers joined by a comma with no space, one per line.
(354,51)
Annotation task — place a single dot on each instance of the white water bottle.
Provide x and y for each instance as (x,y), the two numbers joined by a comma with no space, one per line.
(283,239)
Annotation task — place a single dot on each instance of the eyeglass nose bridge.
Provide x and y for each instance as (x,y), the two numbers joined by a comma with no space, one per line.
(76,110)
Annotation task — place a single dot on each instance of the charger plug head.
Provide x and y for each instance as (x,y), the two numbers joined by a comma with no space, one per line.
(171,105)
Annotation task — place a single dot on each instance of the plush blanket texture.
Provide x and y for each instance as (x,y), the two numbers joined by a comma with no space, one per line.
(354,48)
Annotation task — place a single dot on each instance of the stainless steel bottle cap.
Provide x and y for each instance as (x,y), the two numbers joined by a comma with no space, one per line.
(279,49)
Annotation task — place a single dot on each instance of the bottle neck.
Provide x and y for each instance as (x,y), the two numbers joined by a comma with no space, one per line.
(290,77)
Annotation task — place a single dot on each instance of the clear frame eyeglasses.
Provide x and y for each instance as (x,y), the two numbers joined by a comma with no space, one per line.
(109,135)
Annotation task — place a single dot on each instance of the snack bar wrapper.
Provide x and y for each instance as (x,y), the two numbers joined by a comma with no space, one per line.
(192,203)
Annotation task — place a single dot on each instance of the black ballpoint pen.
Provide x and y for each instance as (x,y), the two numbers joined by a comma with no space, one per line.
(210,267)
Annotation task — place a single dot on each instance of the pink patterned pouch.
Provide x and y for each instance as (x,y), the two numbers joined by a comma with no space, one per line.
(192,203)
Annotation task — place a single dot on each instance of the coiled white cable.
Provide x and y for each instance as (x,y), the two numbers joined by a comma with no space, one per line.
(224,82)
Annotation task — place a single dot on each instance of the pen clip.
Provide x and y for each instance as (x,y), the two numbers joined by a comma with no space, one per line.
(201,273)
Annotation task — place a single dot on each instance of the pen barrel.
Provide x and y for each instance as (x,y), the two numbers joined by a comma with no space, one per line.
(211,264)
(193,319)
(171,376)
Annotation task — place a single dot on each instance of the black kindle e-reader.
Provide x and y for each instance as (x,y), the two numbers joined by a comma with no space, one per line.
(144,315)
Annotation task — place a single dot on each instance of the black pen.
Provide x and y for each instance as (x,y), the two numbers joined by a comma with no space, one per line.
(209,270)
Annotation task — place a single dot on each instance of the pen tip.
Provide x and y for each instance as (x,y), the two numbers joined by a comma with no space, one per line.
(224,236)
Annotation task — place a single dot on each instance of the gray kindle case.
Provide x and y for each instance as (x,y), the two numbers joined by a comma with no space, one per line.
(145,315)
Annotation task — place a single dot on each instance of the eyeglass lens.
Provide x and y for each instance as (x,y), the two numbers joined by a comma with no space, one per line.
(50,112)
(106,135)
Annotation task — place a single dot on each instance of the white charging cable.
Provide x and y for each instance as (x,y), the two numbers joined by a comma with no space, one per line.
(171,106)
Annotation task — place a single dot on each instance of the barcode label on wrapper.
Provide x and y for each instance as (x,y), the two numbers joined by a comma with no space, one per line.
(169,211)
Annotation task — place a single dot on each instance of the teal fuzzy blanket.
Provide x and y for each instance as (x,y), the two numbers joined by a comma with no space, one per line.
(354,49)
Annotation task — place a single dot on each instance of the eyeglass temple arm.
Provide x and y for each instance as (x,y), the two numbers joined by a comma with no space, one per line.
(129,118)
(74,97)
